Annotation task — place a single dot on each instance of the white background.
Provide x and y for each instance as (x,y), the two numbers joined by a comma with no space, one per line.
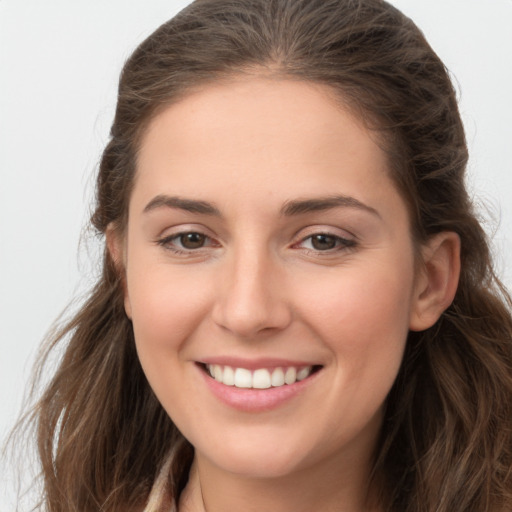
(59,65)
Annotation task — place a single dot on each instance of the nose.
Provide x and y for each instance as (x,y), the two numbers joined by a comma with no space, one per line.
(251,299)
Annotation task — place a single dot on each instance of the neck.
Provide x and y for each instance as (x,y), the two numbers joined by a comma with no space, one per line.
(323,489)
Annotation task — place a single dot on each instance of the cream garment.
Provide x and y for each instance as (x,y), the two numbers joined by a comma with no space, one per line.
(158,497)
(190,499)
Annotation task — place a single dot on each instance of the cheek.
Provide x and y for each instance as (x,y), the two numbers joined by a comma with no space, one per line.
(363,309)
(166,306)
(363,317)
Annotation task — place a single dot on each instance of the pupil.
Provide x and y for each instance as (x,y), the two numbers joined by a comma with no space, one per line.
(192,240)
(323,242)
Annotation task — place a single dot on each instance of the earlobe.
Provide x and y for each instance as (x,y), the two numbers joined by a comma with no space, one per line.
(437,281)
(116,250)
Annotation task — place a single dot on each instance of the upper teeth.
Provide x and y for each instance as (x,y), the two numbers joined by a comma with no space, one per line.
(261,378)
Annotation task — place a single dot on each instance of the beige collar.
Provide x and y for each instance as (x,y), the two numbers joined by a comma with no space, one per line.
(158,498)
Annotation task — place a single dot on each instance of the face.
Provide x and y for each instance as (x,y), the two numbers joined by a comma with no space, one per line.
(267,246)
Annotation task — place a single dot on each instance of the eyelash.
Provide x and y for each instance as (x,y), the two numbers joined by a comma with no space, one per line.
(168,242)
(341,244)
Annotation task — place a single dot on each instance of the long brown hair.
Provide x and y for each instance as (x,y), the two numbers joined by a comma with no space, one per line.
(446,442)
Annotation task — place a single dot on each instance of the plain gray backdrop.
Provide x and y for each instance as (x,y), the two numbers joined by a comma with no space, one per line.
(59,65)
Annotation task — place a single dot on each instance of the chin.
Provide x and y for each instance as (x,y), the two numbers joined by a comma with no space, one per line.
(259,468)
(256,459)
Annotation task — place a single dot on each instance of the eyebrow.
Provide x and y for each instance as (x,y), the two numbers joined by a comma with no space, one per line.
(189,205)
(289,209)
(298,207)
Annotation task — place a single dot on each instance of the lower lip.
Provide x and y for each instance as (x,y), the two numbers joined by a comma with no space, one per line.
(256,400)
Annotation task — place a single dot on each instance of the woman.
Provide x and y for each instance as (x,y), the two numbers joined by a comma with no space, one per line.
(297,308)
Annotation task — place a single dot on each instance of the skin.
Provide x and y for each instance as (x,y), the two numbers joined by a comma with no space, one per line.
(259,287)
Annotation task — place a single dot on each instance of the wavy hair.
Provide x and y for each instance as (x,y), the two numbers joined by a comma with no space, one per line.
(446,441)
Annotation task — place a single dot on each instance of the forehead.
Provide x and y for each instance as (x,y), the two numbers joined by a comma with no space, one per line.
(281,138)
(254,104)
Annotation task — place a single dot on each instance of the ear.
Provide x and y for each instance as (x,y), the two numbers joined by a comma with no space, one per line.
(116,249)
(437,280)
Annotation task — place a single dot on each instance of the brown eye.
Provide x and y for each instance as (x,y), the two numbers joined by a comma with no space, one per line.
(192,240)
(323,242)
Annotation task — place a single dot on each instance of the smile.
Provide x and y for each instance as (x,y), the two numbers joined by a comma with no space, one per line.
(257,386)
(261,378)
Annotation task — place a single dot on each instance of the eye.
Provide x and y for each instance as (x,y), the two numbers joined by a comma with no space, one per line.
(192,240)
(186,242)
(324,242)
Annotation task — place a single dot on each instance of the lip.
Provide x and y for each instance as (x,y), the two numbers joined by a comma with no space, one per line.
(256,400)
(254,364)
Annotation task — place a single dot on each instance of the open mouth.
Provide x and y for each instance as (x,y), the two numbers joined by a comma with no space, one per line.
(261,378)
